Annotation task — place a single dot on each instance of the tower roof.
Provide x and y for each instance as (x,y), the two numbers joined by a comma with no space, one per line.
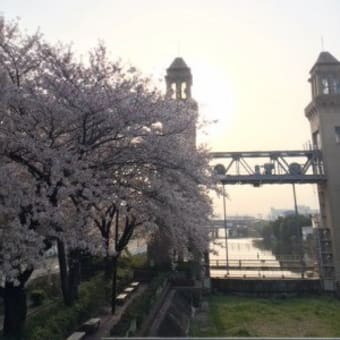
(178,64)
(325,58)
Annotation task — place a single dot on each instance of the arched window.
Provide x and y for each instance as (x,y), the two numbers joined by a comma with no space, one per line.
(337,134)
(173,90)
(324,86)
(337,86)
(316,140)
(184,90)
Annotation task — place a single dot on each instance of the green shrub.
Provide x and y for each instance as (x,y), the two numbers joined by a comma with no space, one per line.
(190,269)
(37,297)
(50,284)
(91,265)
(139,261)
(132,261)
(58,321)
(42,333)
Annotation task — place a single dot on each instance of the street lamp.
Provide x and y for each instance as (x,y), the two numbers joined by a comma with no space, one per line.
(220,170)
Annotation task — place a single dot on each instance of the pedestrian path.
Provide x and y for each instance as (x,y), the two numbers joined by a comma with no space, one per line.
(201,319)
(107,320)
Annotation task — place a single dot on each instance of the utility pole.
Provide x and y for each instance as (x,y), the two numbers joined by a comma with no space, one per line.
(299,234)
(226,230)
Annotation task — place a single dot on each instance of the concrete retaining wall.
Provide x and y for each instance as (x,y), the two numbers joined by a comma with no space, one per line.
(267,286)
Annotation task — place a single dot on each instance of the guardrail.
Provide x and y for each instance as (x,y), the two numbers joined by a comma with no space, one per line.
(260,264)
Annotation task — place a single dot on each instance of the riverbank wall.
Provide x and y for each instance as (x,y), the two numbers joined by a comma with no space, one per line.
(266,287)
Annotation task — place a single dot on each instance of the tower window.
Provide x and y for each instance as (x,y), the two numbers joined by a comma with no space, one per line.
(324,86)
(334,85)
(173,90)
(337,86)
(337,134)
(316,140)
(184,90)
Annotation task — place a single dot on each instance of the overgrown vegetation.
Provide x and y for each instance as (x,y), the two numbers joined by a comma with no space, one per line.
(49,285)
(126,267)
(50,319)
(57,321)
(291,317)
(37,297)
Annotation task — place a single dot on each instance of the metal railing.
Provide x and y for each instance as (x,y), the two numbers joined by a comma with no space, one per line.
(262,266)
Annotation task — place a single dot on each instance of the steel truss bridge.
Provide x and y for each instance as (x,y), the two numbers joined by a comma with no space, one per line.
(270,167)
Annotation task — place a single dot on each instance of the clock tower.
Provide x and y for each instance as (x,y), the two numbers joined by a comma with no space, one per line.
(178,87)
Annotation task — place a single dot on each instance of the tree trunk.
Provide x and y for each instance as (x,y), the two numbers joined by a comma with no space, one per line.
(74,275)
(65,288)
(108,267)
(160,252)
(15,311)
(108,261)
(206,264)
(114,284)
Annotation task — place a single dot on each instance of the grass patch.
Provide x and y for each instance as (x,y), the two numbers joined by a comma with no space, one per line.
(291,317)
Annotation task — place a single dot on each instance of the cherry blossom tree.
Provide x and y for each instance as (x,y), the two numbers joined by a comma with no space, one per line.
(93,153)
(36,143)
(138,138)
(20,245)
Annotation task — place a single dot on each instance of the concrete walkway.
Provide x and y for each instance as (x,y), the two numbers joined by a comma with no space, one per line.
(201,319)
(107,320)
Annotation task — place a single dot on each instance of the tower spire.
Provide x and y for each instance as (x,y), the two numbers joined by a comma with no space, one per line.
(178,80)
(178,86)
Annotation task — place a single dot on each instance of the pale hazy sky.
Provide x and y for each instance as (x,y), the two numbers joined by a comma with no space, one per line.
(250,62)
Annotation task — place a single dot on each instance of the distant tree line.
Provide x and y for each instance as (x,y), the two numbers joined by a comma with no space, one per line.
(284,235)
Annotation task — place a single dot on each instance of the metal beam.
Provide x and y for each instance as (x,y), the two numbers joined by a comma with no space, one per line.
(275,167)
(271,179)
(270,154)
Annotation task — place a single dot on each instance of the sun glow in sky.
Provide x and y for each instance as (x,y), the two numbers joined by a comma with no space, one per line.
(250,62)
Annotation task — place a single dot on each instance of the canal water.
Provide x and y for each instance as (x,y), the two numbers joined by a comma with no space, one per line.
(242,249)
